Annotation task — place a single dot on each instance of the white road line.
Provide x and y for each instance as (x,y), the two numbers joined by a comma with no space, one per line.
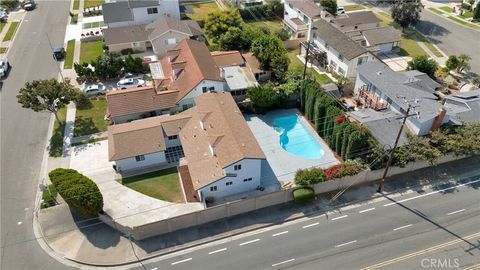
(344,216)
(310,225)
(154,268)
(182,261)
(367,210)
(287,261)
(403,227)
(344,244)
(456,212)
(430,193)
(280,233)
(216,251)
(249,242)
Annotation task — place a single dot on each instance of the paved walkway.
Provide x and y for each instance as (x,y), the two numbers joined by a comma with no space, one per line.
(69,127)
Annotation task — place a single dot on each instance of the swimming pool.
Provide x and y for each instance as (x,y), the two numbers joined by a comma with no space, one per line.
(296,138)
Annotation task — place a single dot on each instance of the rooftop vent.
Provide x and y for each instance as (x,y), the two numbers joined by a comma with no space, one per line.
(379,73)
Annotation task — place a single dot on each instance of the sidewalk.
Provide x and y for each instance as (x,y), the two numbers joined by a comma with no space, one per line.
(453,17)
(14,16)
(94,243)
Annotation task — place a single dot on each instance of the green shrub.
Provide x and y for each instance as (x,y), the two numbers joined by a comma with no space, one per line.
(82,101)
(49,196)
(309,177)
(303,195)
(126,51)
(80,192)
(8,4)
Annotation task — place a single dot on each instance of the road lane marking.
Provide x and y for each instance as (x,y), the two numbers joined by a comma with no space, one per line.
(344,244)
(182,261)
(19,223)
(287,261)
(421,252)
(344,216)
(249,242)
(367,210)
(216,251)
(156,268)
(430,193)
(310,225)
(473,267)
(456,212)
(280,233)
(403,227)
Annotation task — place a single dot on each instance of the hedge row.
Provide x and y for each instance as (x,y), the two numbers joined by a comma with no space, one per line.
(79,191)
(316,175)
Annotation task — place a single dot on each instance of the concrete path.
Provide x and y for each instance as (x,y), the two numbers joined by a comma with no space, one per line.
(95,136)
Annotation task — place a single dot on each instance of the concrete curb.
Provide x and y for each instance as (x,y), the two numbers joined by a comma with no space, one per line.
(452,21)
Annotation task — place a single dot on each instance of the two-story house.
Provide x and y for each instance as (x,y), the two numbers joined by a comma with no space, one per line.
(299,15)
(137,12)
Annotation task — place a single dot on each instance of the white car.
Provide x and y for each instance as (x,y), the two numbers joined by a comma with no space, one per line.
(4,67)
(131,76)
(341,10)
(95,90)
(129,83)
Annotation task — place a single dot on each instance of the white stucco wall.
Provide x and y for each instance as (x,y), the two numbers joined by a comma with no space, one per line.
(189,98)
(385,48)
(251,168)
(150,159)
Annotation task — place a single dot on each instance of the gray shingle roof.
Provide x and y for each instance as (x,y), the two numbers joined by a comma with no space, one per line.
(116,12)
(307,7)
(464,106)
(127,34)
(165,23)
(338,40)
(142,3)
(356,18)
(381,35)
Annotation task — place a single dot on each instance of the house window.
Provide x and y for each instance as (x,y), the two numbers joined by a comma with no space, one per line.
(135,44)
(139,158)
(340,57)
(173,137)
(247,179)
(341,71)
(213,188)
(171,41)
(362,60)
(333,65)
(237,167)
(152,10)
(204,89)
(229,183)
(212,88)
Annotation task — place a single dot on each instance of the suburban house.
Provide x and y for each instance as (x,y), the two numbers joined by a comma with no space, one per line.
(183,73)
(380,88)
(463,107)
(137,12)
(334,51)
(161,35)
(355,21)
(299,15)
(221,155)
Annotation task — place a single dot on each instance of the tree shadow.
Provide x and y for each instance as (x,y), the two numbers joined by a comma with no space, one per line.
(55,148)
(432,30)
(85,126)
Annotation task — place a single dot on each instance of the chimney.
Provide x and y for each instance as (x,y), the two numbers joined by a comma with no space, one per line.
(439,119)
(222,73)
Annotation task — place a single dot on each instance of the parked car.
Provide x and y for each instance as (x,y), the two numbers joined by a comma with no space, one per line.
(4,67)
(29,5)
(129,83)
(131,76)
(3,17)
(95,90)
(341,10)
(58,54)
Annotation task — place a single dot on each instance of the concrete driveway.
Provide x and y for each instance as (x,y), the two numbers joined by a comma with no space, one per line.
(394,61)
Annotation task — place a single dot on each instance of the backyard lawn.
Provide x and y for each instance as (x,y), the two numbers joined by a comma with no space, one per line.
(201,10)
(92,3)
(163,185)
(354,7)
(90,121)
(273,26)
(11,31)
(56,141)
(69,55)
(296,64)
(90,50)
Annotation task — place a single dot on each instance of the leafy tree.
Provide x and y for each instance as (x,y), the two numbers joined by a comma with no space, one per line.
(82,101)
(356,143)
(8,4)
(232,39)
(463,63)
(283,34)
(263,97)
(265,48)
(423,64)
(406,12)
(84,71)
(217,23)
(476,81)
(79,191)
(465,141)
(134,65)
(422,149)
(108,65)
(452,62)
(330,6)
(279,65)
(46,95)
(476,12)
(292,85)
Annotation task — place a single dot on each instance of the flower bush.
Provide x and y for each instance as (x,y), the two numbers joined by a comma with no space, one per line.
(316,175)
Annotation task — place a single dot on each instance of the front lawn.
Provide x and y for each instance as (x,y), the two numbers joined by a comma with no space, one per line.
(69,55)
(466,15)
(422,38)
(272,26)
(460,21)
(11,31)
(90,50)
(163,185)
(92,3)
(297,65)
(56,141)
(90,121)
(436,11)
(354,7)
(2,25)
(201,10)
(446,9)
(76,4)
(3,50)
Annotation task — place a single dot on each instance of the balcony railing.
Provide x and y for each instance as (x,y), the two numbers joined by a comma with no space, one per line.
(370,100)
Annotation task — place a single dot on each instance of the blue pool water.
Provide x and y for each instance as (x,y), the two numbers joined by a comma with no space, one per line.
(296,138)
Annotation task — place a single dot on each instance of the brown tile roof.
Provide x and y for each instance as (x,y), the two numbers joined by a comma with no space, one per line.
(307,7)
(224,132)
(125,34)
(252,62)
(197,65)
(165,24)
(139,100)
(143,136)
(228,58)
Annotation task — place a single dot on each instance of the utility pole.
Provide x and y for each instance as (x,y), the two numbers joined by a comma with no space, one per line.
(57,64)
(390,158)
(129,236)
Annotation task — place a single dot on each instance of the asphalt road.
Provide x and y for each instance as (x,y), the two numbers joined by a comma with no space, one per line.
(450,37)
(24,136)
(408,232)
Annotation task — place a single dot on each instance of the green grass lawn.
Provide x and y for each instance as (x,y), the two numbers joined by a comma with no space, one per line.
(49,196)
(92,3)
(436,10)
(90,50)
(90,121)
(69,56)
(74,19)
(273,26)
(2,25)
(201,10)
(467,14)
(297,65)
(76,4)
(425,41)
(446,9)
(11,31)
(476,26)
(56,141)
(3,50)
(354,7)
(162,185)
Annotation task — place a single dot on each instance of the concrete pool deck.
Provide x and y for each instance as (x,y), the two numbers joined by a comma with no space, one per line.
(285,164)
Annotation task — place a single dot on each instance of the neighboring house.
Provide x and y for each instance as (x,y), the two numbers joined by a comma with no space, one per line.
(254,65)
(183,73)
(380,88)
(137,12)
(463,106)
(381,40)
(161,35)
(355,21)
(221,155)
(299,15)
(331,49)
